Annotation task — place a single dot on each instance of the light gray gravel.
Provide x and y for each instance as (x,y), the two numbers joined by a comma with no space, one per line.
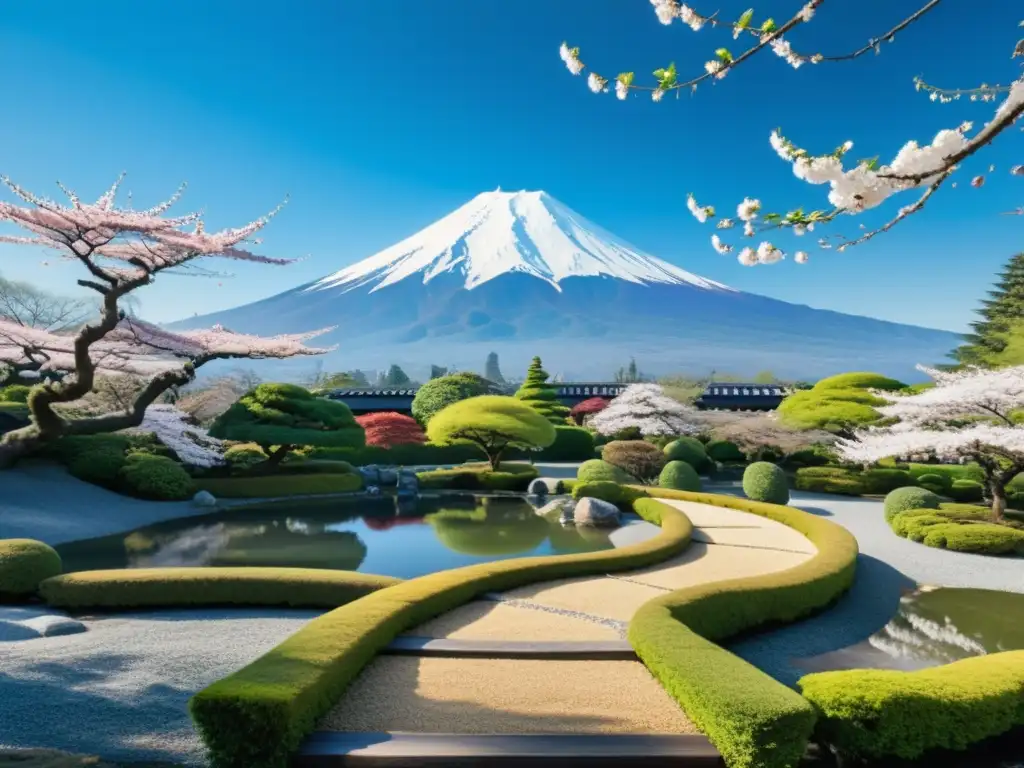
(887,567)
(120,690)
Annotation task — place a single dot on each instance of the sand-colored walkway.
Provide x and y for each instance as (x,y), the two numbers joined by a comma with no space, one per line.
(462,695)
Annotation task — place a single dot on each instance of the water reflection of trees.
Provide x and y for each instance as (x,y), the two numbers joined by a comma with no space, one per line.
(943,625)
(495,527)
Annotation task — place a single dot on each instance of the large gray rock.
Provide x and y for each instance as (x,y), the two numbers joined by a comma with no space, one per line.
(596,512)
(553,509)
(18,623)
(371,475)
(388,477)
(204,499)
(408,484)
(53,625)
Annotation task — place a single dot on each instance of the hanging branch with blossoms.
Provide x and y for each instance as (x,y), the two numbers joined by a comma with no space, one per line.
(853,190)
(647,408)
(967,415)
(121,250)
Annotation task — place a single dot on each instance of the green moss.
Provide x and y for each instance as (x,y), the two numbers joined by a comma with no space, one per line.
(24,563)
(259,715)
(680,476)
(885,713)
(753,720)
(860,380)
(272,486)
(158,478)
(169,587)
(902,499)
(763,481)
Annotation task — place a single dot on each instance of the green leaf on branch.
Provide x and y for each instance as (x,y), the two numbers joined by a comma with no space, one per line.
(724,55)
(626,78)
(666,77)
(771,218)
(769,26)
(744,21)
(870,163)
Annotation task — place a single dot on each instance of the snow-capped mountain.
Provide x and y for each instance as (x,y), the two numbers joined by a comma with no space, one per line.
(521,274)
(498,233)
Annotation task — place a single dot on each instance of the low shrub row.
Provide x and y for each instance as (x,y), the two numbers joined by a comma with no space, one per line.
(878,481)
(479,477)
(958,527)
(621,495)
(259,715)
(752,719)
(875,713)
(273,486)
(172,587)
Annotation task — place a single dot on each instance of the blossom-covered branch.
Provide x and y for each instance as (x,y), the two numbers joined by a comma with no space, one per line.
(967,415)
(190,443)
(121,249)
(767,33)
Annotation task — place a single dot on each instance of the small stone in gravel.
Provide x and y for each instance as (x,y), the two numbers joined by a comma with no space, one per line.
(52,626)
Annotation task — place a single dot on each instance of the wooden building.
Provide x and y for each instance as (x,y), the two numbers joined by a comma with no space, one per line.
(729,396)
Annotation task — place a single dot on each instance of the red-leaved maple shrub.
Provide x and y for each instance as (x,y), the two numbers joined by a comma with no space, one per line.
(388,429)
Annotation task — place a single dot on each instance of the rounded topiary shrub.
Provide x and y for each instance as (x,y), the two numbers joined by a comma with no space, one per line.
(596,470)
(966,491)
(14,393)
(764,481)
(724,451)
(100,466)
(679,476)
(903,499)
(638,458)
(157,478)
(935,482)
(688,449)
(605,490)
(23,564)
(244,456)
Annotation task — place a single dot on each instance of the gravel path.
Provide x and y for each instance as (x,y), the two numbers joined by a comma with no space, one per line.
(120,690)
(71,509)
(888,567)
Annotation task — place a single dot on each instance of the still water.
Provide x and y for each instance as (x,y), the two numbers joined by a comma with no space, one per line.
(935,625)
(382,536)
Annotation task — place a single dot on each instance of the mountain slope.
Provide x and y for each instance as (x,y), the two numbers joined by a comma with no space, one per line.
(522,274)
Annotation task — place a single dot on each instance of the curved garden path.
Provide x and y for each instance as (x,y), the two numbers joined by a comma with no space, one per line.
(420,694)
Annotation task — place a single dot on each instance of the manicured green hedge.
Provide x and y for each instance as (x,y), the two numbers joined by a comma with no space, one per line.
(845,484)
(477,477)
(272,486)
(764,481)
(952,471)
(679,475)
(606,490)
(169,587)
(958,527)
(258,716)
(902,499)
(882,713)
(24,563)
(724,451)
(753,720)
(596,470)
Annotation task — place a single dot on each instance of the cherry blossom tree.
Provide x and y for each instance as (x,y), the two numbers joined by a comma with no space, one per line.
(121,250)
(649,409)
(852,190)
(967,415)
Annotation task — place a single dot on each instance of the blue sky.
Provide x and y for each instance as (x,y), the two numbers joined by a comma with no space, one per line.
(377,118)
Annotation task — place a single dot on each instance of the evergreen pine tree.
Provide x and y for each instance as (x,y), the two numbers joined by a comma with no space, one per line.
(492,372)
(1001,314)
(541,396)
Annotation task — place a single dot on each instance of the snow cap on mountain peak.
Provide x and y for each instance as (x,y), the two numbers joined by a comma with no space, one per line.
(500,232)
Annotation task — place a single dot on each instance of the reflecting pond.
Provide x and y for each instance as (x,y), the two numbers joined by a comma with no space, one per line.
(935,625)
(383,535)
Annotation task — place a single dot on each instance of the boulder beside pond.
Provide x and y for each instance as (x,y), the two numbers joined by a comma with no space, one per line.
(546,486)
(596,512)
(204,499)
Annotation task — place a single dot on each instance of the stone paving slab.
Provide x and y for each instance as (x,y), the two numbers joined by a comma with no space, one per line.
(612,598)
(504,696)
(782,538)
(486,620)
(704,563)
(705,515)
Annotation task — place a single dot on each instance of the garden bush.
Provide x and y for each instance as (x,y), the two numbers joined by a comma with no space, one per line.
(980,538)
(156,478)
(688,449)
(769,453)
(636,457)
(473,477)
(408,454)
(280,485)
(835,480)
(913,523)
(860,380)
(259,715)
(101,466)
(764,481)
(966,491)
(724,451)
(244,456)
(886,713)
(24,563)
(806,457)
(171,587)
(932,481)
(952,471)
(680,476)
(902,499)
(753,720)
(880,481)
(598,469)
(14,393)
(620,495)
(571,444)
